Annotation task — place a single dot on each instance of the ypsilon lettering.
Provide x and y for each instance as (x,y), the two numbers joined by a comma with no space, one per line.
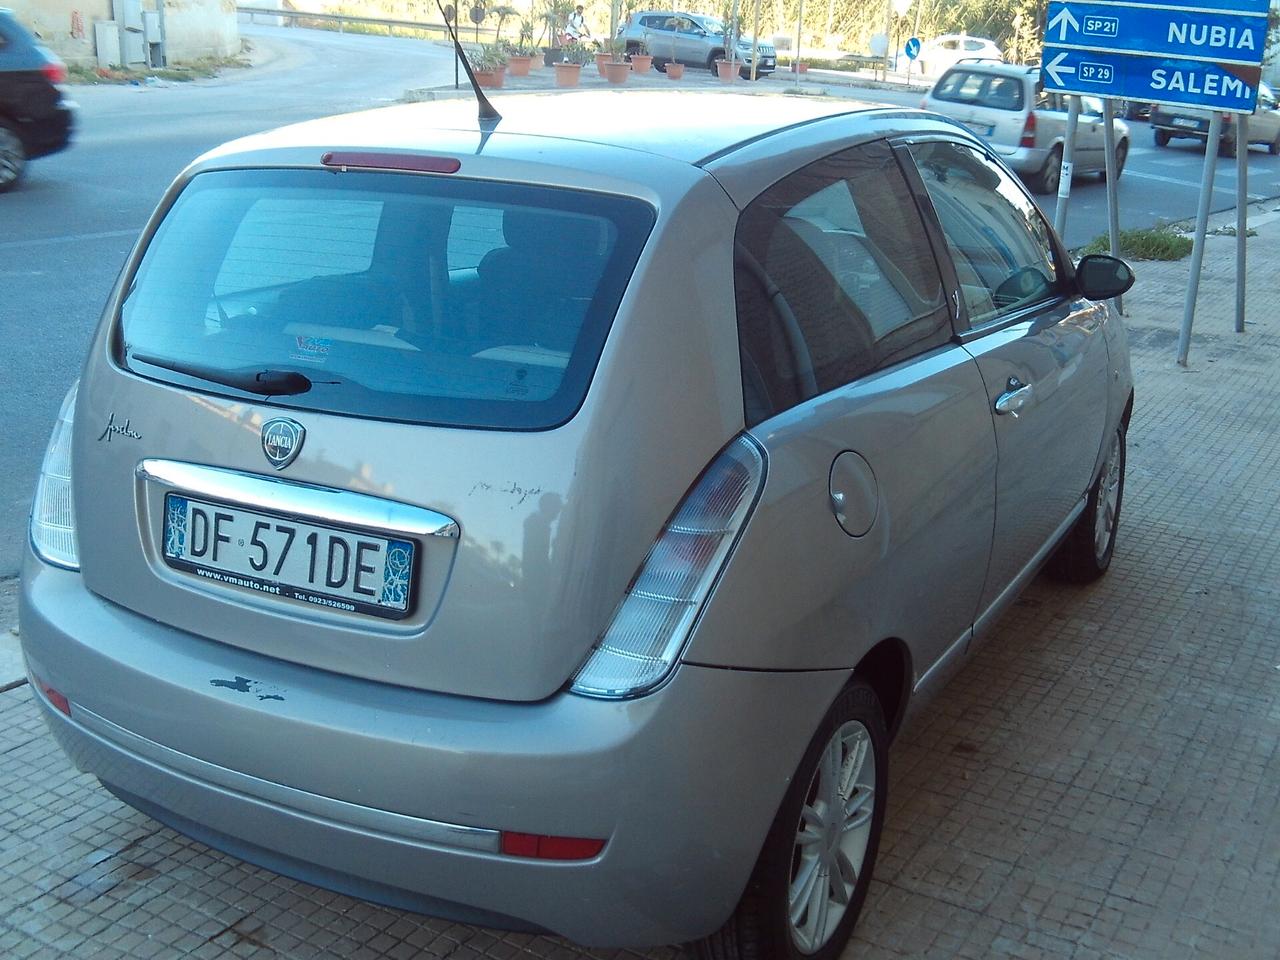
(1216,35)
(1211,84)
(114,429)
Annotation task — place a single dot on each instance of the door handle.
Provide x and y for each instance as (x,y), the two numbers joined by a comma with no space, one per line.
(1016,396)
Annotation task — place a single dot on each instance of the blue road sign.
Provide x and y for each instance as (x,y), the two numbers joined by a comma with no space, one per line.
(912,48)
(1207,55)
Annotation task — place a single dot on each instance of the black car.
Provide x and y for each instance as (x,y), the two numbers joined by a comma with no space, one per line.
(35,118)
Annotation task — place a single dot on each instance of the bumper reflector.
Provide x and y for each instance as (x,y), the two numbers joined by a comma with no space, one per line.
(540,847)
(59,701)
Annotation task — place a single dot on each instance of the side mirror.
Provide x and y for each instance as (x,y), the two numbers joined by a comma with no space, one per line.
(1099,277)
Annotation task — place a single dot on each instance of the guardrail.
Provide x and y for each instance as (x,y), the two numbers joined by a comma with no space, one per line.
(343,20)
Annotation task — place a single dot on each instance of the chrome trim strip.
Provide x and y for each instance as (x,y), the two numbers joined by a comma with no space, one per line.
(952,652)
(397,826)
(275,495)
(1010,593)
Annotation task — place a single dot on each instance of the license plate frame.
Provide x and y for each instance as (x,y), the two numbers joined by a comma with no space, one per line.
(388,593)
(1186,122)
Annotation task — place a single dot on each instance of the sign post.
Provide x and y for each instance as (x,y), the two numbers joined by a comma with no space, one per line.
(1206,55)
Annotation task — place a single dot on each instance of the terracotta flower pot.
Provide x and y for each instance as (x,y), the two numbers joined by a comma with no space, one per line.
(641,62)
(675,70)
(617,72)
(601,60)
(727,70)
(491,78)
(800,67)
(519,66)
(568,74)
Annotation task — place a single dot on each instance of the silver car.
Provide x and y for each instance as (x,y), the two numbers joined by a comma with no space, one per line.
(693,39)
(549,527)
(1025,125)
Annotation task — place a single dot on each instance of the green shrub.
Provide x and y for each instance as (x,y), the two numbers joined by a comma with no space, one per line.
(1149,243)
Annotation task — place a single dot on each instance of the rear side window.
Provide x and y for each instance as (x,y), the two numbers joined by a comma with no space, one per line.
(834,279)
(401,297)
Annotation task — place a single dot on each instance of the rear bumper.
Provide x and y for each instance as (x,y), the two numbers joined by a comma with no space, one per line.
(1022,159)
(397,796)
(51,133)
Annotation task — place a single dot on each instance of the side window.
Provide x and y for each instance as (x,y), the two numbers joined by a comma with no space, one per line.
(288,239)
(998,239)
(834,279)
(473,232)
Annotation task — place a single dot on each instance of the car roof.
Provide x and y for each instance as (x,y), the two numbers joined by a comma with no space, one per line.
(685,127)
(994,67)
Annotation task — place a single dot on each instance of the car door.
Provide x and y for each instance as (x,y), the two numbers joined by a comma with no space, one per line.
(881,453)
(1264,125)
(1040,348)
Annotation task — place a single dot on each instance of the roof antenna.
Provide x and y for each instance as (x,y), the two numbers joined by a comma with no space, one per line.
(487,113)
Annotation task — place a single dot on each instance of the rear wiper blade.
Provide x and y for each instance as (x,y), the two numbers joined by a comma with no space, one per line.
(267,382)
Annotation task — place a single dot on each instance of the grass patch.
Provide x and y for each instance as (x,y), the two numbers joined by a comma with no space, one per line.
(201,69)
(1151,243)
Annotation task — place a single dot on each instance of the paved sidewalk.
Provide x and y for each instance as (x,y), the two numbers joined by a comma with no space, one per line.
(1101,780)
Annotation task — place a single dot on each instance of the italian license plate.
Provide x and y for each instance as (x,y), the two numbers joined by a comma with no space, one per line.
(767,63)
(981,129)
(326,566)
(1185,122)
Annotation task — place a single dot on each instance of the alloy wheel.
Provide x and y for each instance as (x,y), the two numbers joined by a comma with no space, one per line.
(1104,523)
(832,836)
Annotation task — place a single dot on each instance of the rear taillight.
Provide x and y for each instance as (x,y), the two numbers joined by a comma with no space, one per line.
(53,524)
(54,71)
(1028,132)
(650,626)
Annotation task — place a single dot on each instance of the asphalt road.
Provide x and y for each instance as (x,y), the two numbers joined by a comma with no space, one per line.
(65,234)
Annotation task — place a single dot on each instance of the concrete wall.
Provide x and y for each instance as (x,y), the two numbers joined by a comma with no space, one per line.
(195,28)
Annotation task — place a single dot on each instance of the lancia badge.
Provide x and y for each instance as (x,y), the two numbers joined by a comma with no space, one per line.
(281,440)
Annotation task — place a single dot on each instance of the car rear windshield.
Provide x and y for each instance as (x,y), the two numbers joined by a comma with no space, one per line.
(397,296)
(983,89)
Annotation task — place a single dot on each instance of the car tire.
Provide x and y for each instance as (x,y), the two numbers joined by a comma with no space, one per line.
(1045,180)
(1122,154)
(1161,137)
(1227,147)
(802,847)
(1085,553)
(660,65)
(711,61)
(13,157)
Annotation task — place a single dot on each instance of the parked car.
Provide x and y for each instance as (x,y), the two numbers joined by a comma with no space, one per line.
(553,535)
(942,53)
(692,39)
(35,118)
(1025,125)
(1133,109)
(1168,123)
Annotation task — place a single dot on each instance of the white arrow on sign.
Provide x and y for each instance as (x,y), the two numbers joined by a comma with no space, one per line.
(1054,67)
(1065,20)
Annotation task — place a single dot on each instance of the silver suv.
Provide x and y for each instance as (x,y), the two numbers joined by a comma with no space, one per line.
(1003,104)
(553,534)
(691,38)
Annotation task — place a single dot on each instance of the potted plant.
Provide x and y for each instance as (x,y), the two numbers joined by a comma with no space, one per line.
(603,54)
(641,58)
(727,69)
(615,67)
(489,63)
(674,68)
(521,54)
(569,69)
(555,15)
